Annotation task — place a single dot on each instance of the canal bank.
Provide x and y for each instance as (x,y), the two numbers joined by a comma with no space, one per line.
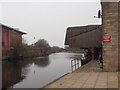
(88,76)
(36,72)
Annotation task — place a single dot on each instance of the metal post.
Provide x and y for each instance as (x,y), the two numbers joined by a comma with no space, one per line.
(75,64)
(71,66)
(78,63)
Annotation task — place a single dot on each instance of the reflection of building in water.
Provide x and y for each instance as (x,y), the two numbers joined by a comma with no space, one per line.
(11,74)
(15,71)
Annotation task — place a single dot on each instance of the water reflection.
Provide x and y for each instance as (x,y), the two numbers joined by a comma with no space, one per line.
(37,72)
(15,71)
(11,74)
(42,62)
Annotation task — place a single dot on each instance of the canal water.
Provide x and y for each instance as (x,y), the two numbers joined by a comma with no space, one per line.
(37,72)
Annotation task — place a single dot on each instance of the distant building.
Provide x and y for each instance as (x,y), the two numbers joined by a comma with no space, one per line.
(10,38)
(85,37)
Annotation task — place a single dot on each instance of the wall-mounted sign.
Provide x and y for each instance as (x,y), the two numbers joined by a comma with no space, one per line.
(106,38)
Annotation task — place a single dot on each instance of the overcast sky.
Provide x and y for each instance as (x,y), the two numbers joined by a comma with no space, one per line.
(48,20)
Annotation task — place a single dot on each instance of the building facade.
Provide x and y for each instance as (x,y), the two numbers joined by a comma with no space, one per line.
(110,27)
(85,37)
(111,24)
(10,38)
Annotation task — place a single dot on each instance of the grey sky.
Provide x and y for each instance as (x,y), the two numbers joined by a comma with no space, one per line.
(48,20)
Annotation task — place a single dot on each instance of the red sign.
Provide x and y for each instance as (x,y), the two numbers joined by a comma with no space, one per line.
(106,38)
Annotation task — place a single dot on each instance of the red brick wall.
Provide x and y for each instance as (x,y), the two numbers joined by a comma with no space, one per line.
(6,47)
(17,39)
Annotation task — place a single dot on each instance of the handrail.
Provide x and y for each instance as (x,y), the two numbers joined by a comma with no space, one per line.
(75,63)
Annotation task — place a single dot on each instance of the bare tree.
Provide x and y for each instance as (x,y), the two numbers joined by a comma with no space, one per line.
(43,46)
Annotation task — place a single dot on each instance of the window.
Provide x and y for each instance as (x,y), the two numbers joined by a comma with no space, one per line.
(3,41)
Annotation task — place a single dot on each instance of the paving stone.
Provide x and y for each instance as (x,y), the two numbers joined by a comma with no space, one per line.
(99,83)
(101,86)
(92,80)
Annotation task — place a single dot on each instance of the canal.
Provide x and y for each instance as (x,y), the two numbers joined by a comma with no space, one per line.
(37,72)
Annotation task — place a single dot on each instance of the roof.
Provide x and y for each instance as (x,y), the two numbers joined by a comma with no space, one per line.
(81,36)
(82,29)
(10,28)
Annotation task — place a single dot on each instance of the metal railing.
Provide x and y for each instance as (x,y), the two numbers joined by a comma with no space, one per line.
(75,63)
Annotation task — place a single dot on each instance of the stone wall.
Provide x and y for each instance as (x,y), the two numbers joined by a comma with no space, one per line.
(110,16)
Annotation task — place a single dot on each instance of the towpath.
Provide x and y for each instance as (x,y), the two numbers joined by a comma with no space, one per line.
(88,76)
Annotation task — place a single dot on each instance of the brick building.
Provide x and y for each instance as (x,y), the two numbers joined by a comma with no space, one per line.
(111,23)
(10,37)
(110,27)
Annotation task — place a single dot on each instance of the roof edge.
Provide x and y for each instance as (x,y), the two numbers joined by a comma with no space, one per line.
(16,30)
(83,26)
